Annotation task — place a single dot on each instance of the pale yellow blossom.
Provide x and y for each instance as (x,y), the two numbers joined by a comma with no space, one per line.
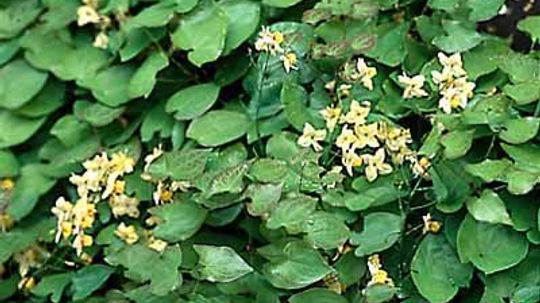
(311,137)
(122,204)
(346,139)
(269,41)
(81,241)
(350,160)
(430,225)
(375,165)
(101,40)
(413,86)
(331,116)
(127,233)
(157,244)
(367,135)
(366,73)
(358,113)
(453,63)
(289,61)
(87,14)
(7,184)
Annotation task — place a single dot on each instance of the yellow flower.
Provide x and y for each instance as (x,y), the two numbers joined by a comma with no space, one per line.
(149,159)
(7,184)
(32,257)
(420,167)
(123,205)
(453,63)
(331,115)
(289,61)
(119,187)
(63,210)
(357,113)
(6,222)
(157,244)
(366,73)
(367,135)
(443,79)
(27,283)
(86,14)
(122,163)
(452,98)
(311,137)
(346,139)
(378,275)
(430,225)
(344,90)
(180,186)
(375,165)
(269,41)
(101,40)
(81,241)
(83,214)
(127,233)
(350,160)
(86,258)
(413,86)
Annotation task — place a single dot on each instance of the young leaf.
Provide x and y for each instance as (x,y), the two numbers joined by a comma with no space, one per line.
(221,263)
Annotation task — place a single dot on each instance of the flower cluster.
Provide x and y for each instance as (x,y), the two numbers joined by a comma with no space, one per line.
(454,88)
(101,180)
(6,221)
(378,275)
(88,14)
(357,134)
(271,42)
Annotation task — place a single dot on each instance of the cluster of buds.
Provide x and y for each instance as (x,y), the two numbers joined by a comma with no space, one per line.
(272,43)
(88,14)
(454,88)
(100,181)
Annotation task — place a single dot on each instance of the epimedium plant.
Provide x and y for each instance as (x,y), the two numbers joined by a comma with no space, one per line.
(267,151)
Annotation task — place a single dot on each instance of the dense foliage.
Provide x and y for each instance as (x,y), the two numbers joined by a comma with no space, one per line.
(267,151)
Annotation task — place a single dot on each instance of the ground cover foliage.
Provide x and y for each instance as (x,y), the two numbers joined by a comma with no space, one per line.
(267,151)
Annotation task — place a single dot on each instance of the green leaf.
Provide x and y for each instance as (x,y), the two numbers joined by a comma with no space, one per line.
(371,194)
(191,102)
(457,143)
(32,184)
(489,208)
(482,10)
(291,213)
(326,230)
(436,270)
(490,170)
(523,93)
(202,33)
(218,127)
(243,19)
(24,235)
(525,155)
(452,186)
(17,15)
(144,264)
(520,67)
(490,247)
(300,266)
(70,131)
(379,293)
(264,198)
(153,16)
(143,80)
(221,263)
(96,114)
(103,91)
(24,83)
(530,25)
(521,130)
(268,170)
(281,3)
(294,98)
(53,285)
(349,268)
(390,46)
(186,164)
(229,180)
(446,5)
(521,182)
(381,231)
(317,295)
(89,279)
(458,38)
(180,220)
(9,165)
(49,99)
(484,58)
(157,121)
